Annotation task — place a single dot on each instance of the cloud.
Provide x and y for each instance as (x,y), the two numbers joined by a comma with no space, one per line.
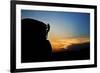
(60,44)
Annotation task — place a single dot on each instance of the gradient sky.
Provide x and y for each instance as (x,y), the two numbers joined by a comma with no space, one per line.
(63,24)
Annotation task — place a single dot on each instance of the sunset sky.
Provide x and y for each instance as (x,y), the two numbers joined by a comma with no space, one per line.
(66,28)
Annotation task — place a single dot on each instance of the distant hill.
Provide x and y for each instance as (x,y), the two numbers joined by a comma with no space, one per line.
(78,47)
(74,52)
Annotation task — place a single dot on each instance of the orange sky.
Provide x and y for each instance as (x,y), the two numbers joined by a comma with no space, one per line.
(58,44)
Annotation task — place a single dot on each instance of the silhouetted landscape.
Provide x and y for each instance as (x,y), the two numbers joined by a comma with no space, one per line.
(36,47)
(74,52)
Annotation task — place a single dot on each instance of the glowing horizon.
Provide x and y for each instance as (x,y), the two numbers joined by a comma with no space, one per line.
(60,44)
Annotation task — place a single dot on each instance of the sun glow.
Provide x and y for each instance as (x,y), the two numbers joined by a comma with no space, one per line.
(60,44)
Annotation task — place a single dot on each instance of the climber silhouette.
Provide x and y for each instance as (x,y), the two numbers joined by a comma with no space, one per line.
(35,46)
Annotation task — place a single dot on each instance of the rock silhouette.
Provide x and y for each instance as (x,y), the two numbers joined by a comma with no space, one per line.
(35,46)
